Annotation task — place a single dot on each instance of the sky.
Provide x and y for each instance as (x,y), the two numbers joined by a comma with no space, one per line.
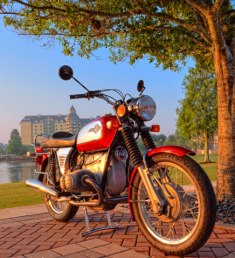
(30,85)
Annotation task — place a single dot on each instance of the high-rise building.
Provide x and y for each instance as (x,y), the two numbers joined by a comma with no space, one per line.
(31,126)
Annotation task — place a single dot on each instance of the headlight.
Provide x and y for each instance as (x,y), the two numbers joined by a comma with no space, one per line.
(145,107)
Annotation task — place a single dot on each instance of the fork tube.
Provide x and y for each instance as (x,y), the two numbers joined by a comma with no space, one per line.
(137,159)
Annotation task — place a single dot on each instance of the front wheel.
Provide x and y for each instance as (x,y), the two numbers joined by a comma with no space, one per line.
(188,217)
(60,211)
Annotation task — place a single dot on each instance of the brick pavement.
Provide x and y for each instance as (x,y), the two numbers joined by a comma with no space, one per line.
(37,236)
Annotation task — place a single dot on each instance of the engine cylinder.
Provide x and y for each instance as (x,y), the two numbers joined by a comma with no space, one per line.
(116,178)
(74,182)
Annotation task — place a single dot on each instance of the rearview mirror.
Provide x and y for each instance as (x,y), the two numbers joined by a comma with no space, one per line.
(65,72)
(140,86)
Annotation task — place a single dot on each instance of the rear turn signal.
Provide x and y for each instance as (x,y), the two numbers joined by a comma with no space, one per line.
(121,110)
(154,128)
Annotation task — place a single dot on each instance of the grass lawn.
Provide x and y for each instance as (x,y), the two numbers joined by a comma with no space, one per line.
(18,194)
(210,168)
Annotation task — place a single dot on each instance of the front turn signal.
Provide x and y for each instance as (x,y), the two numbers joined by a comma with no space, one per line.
(121,110)
(154,128)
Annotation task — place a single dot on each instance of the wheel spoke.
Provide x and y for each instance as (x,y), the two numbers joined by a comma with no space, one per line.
(179,185)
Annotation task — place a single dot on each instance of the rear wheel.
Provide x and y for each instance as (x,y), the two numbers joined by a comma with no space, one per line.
(60,211)
(188,220)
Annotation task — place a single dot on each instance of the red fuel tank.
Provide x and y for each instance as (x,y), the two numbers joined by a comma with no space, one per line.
(98,134)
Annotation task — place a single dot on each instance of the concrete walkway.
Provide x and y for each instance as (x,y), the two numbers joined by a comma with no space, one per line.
(30,232)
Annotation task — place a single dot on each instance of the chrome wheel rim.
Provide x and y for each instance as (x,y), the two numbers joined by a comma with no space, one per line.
(57,207)
(185,223)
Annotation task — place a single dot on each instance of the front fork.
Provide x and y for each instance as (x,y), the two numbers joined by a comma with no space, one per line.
(136,157)
(155,197)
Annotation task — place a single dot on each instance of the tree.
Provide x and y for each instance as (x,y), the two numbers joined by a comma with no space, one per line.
(178,139)
(159,139)
(167,32)
(2,148)
(197,114)
(14,144)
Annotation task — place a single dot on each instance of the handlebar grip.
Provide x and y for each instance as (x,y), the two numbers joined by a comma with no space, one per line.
(78,96)
(90,94)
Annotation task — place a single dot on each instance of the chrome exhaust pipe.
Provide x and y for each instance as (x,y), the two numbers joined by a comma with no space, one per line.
(41,187)
(99,192)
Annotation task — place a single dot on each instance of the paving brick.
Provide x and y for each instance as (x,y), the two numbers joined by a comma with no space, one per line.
(232,255)
(192,255)
(44,254)
(230,246)
(8,252)
(141,238)
(204,249)
(91,244)
(217,240)
(220,231)
(144,244)
(11,224)
(123,236)
(129,242)
(44,247)
(91,254)
(77,255)
(231,236)
(60,243)
(69,249)
(216,245)
(43,234)
(6,245)
(206,254)
(220,252)
(143,250)
(110,249)
(128,254)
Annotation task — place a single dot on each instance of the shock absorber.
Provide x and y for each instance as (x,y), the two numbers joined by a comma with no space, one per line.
(147,139)
(132,146)
(136,158)
(52,168)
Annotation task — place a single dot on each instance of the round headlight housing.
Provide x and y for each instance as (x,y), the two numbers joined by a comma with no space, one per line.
(145,107)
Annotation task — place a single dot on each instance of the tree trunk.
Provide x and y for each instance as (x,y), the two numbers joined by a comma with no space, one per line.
(225,71)
(206,148)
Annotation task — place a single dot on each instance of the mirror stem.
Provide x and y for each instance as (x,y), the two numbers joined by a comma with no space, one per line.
(84,87)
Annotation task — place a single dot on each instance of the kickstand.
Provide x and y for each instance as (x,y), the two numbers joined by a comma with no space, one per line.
(89,231)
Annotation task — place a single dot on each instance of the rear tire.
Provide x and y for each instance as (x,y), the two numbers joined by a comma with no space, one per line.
(193,206)
(60,211)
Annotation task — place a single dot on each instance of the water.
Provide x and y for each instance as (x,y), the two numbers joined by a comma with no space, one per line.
(16,171)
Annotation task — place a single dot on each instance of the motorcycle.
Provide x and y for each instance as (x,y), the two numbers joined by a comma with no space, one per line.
(169,195)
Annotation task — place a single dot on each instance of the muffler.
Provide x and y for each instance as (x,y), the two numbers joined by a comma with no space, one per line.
(41,187)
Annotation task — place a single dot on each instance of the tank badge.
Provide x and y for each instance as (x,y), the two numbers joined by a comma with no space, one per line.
(95,129)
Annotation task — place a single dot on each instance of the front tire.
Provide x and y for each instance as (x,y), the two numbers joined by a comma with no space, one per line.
(192,201)
(60,211)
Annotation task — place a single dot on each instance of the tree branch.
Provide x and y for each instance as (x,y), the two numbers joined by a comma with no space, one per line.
(51,7)
(91,12)
(196,4)
(216,7)
(199,30)
(190,27)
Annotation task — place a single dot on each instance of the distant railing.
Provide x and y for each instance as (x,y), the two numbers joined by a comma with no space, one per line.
(13,157)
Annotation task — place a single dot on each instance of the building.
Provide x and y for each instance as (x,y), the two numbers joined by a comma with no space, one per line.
(31,126)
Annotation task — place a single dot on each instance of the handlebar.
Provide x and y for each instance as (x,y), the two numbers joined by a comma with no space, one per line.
(88,95)
(99,94)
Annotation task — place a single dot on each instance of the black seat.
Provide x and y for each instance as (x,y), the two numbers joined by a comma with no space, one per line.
(58,140)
